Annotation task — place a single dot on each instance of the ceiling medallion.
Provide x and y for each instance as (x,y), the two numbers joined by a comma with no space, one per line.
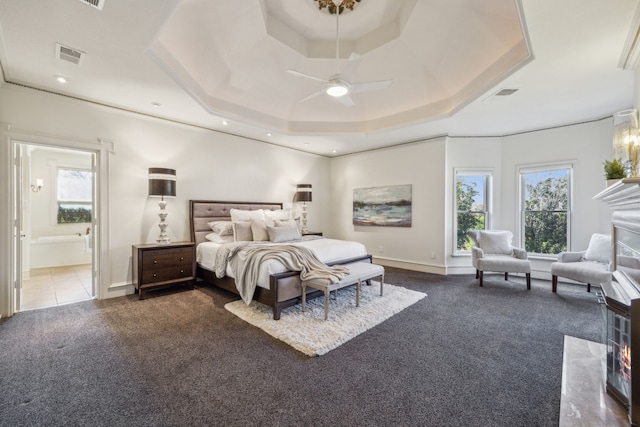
(331,7)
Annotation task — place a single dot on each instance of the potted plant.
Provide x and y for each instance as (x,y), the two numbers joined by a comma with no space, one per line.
(613,170)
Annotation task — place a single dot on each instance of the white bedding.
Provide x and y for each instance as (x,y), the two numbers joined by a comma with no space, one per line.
(327,250)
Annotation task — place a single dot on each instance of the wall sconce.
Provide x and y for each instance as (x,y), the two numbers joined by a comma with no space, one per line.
(38,185)
(626,141)
(162,182)
(303,194)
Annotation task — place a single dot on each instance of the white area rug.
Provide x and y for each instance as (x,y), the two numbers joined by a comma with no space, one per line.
(309,333)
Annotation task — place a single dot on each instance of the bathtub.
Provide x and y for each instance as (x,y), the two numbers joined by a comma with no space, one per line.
(56,251)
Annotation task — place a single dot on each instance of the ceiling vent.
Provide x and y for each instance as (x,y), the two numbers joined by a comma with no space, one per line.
(98,4)
(506,92)
(68,54)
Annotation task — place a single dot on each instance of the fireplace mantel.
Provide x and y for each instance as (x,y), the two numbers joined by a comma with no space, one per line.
(624,194)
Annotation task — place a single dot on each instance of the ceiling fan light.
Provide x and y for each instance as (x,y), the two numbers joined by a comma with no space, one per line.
(337,90)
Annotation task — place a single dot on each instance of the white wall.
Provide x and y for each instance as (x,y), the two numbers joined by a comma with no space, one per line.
(209,165)
(420,164)
(429,166)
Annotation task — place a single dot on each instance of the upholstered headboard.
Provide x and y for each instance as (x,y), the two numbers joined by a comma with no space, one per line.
(201,212)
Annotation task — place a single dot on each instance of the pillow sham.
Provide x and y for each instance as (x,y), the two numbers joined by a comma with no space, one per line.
(215,237)
(283,234)
(259,231)
(277,215)
(242,231)
(245,215)
(495,242)
(599,249)
(223,228)
(287,223)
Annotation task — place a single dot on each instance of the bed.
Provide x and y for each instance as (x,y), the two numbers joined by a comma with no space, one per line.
(279,288)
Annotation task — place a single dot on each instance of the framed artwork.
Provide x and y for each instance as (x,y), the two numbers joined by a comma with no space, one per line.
(382,206)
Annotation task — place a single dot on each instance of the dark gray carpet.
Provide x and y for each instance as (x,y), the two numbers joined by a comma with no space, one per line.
(463,356)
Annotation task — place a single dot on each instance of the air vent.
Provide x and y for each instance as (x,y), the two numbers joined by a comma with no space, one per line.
(506,92)
(68,54)
(98,4)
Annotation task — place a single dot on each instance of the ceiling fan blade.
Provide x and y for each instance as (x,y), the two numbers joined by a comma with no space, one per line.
(299,74)
(351,66)
(345,100)
(313,95)
(365,87)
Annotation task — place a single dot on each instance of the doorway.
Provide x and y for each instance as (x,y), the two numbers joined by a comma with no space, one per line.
(56,193)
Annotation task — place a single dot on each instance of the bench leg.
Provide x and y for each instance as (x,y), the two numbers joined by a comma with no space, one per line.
(588,287)
(381,283)
(554,283)
(304,296)
(506,276)
(327,294)
(358,293)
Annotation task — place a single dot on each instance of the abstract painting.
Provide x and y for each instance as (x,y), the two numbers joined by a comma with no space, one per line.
(382,206)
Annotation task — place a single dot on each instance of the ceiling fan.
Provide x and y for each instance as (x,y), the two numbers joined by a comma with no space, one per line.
(336,86)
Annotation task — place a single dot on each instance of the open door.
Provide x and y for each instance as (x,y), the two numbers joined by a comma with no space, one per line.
(18,224)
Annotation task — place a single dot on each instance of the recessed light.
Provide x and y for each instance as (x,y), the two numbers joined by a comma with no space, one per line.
(156,104)
(268,133)
(334,151)
(224,122)
(61,79)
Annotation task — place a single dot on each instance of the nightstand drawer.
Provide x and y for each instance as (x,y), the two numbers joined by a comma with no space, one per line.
(164,274)
(167,258)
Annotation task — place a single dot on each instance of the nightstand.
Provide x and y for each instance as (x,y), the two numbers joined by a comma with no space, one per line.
(312,233)
(156,266)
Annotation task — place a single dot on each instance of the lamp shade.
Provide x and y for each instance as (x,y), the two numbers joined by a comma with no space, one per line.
(162,182)
(303,193)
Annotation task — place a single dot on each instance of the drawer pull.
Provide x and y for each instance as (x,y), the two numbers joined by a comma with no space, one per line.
(155,261)
(181,258)
(181,271)
(155,275)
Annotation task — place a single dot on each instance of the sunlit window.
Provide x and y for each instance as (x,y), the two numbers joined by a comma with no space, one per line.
(472,207)
(74,195)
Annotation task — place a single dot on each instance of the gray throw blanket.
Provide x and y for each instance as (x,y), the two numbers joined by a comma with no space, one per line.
(245,263)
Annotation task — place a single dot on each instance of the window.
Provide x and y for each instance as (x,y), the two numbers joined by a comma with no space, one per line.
(74,195)
(472,206)
(545,208)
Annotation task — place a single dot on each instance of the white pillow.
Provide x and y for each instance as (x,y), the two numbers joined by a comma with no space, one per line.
(283,234)
(278,215)
(215,237)
(288,223)
(599,248)
(242,231)
(244,215)
(259,231)
(223,228)
(495,242)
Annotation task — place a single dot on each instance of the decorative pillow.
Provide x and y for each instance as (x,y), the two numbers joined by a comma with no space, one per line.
(244,215)
(288,223)
(278,215)
(495,242)
(215,237)
(599,249)
(242,231)
(283,234)
(223,228)
(259,231)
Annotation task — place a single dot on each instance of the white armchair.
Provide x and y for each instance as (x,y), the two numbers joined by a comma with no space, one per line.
(492,251)
(591,266)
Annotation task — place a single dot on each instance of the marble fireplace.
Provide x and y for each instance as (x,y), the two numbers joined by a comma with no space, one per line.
(622,297)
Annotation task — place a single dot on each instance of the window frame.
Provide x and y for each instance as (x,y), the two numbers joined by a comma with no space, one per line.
(487,174)
(536,168)
(57,202)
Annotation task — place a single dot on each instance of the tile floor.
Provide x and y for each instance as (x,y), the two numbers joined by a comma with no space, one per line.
(53,286)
